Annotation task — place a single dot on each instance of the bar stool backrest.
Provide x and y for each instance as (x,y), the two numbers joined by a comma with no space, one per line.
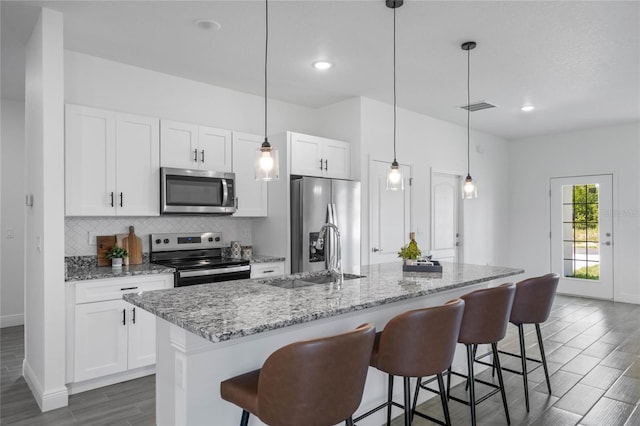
(316,382)
(486,314)
(533,300)
(421,342)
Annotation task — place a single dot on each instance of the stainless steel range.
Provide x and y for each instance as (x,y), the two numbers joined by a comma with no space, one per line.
(197,258)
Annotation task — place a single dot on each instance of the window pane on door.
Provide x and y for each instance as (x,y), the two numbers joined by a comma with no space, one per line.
(581,231)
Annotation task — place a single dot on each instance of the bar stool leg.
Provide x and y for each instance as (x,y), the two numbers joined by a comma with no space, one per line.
(415,397)
(448,382)
(244,420)
(544,358)
(443,399)
(407,401)
(494,347)
(523,358)
(470,378)
(389,399)
(349,422)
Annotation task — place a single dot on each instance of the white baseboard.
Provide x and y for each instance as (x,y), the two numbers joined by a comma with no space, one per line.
(11,320)
(628,298)
(49,400)
(111,379)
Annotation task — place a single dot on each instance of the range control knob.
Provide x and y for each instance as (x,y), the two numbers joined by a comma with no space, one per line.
(210,239)
(166,241)
(158,241)
(217,239)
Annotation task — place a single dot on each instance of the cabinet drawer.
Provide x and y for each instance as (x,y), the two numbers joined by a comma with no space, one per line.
(263,270)
(114,288)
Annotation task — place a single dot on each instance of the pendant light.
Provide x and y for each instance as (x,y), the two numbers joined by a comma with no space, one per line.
(395,181)
(469,188)
(267,165)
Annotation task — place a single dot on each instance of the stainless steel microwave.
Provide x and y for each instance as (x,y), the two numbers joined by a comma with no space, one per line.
(185,191)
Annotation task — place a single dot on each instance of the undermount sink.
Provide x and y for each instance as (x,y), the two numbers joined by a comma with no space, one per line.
(309,281)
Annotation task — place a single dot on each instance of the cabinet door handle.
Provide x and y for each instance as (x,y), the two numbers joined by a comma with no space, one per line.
(202,156)
(124,317)
(195,155)
(268,271)
(321,164)
(326,164)
(128,288)
(236,203)
(121,200)
(112,199)
(134,315)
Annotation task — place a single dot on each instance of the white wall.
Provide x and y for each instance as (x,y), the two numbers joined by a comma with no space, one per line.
(44,363)
(13,209)
(533,161)
(101,83)
(426,143)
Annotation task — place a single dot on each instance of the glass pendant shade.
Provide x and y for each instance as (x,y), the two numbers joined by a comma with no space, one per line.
(395,182)
(267,164)
(469,188)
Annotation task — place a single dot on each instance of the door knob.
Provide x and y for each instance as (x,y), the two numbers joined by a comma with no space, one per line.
(375,250)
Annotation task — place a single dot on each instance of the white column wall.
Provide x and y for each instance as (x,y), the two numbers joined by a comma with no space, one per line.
(533,161)
(44,363)
(13,210)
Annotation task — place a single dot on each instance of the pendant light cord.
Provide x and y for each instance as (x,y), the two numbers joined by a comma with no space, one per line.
(394,85)
(266,51)
(468,108)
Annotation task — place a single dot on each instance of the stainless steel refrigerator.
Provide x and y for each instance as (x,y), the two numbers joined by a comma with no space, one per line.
(314,202)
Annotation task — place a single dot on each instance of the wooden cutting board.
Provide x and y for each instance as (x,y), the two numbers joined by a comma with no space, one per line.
(104,244)
(133,245)
(122,243)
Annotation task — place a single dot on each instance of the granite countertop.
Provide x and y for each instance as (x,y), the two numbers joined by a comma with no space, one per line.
(81,268)
(233,309)
(93,272)
(258,258)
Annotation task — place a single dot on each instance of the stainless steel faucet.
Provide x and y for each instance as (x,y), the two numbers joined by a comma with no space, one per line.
(336,258)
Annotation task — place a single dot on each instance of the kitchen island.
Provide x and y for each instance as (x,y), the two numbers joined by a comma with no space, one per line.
(210,332)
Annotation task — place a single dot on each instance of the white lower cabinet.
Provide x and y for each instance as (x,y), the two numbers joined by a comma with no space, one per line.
(266,270)
(108,335)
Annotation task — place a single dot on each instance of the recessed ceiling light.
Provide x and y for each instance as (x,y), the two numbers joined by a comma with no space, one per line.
(528,108)
(208,24)
(322,65)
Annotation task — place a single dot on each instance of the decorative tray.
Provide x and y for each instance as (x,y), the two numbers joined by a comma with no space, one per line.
(423,267)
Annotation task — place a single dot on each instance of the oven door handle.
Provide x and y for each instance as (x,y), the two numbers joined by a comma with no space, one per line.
(218,271)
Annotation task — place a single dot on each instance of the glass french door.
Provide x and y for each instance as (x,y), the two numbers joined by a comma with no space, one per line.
(582,235)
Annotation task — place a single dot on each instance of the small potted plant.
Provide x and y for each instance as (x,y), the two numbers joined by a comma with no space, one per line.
(116,254)
(410,253)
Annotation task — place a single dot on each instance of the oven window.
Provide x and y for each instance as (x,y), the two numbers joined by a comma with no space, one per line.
(193,191)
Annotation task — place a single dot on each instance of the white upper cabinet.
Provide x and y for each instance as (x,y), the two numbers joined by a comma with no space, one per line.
(190,146)
(137,165)
(316,156)
(251,194)
(111,163)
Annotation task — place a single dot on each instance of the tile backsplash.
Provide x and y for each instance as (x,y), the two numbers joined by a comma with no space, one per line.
(77,229)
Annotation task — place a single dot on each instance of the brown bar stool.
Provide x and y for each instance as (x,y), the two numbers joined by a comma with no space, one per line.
(532,305)
(486,315)
(312,382)
(417,343)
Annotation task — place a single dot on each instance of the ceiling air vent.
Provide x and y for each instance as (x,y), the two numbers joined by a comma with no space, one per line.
(478,106)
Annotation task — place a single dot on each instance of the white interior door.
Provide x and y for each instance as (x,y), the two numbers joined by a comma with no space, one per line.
(582,235)
(446,224)
(390,214)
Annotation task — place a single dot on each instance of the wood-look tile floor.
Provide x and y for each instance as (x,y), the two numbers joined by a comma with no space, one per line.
(593,352)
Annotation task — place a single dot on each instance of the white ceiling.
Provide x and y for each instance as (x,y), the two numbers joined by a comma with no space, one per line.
(577,62)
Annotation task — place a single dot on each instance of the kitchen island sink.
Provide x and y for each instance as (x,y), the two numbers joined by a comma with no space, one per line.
(307,281)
